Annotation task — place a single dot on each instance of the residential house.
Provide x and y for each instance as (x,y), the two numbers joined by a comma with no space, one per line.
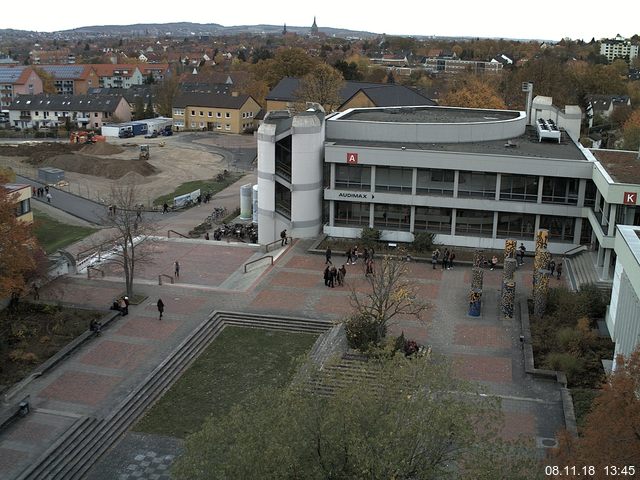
(16,81)
(353,95)
(82,111)
(131,95)
(604,105)
(71,79)
(59,56)
(22,200)
(618,47)
(233,113)
(452,65)
(159,71)
(118,75)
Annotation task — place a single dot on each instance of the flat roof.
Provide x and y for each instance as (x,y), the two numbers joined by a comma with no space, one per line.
(425,114)
(621,165)
(526,145)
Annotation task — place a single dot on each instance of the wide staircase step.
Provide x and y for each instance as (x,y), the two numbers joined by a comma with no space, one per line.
(582,271)
(89,438)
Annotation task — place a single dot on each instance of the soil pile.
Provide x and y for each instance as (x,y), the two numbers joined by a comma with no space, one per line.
(101,148)
(37,152)
(100,167)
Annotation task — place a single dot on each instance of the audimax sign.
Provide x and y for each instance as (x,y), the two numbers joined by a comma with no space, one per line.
(363,196)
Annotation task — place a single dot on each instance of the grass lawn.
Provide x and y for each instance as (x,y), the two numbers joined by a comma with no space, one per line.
(54,235)
(235,363)
(212,185)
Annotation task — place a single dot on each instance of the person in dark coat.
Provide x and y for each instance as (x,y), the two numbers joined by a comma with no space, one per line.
(327,275)
(160,305)
(559,270)
(327,255)
(333,273)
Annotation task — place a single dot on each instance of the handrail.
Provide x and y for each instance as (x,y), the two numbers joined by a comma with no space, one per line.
(89,268)
(579,248)
(169,234)
(164,275)
(266,247)
(257,260)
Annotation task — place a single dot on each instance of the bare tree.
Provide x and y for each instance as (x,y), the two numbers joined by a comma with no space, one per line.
(322,85)
(390,294)
(130,232)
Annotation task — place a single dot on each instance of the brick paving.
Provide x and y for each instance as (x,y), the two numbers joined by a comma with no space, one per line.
(95,379)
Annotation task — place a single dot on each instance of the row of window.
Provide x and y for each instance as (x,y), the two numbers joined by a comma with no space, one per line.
(439,220)
(179,112)
(440,182)
(217,126)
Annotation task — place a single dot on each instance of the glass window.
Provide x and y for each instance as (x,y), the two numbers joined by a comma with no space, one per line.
(394,179)
(561,229)
(283,200)
(435,182)
(432,220)
(515,225)
(353,177)
(351,214)
(477,184)
(523,188)
(391,217)
(218,115)
(560,190)
(23,207)
(193,112)
(227,115)
(474,222)
(590,194)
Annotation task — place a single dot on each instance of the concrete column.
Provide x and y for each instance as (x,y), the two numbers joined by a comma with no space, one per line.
(373,179)
(600,256)
(536,226)
(540,185)
(596,207)
(456,179)
(577,231)
(414,183)
(371,212)
(498,185)
(582,188)
(332,213)
(494,232)
(613,208)
(412,221)
(604,274)
(332,175)
(453,221)
(605,214)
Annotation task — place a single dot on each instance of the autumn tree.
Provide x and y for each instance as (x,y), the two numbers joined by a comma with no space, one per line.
(631,131)
(165,93)
(389,293)
(473,92)
(287,62)
(322,85)
(18,248)
(405,418)
(130,232)
(48,81)
(611,433)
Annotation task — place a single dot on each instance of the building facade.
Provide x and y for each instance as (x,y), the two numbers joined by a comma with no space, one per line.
(22,199)
(618,47)
(70,79)
(16,81)
(215,112)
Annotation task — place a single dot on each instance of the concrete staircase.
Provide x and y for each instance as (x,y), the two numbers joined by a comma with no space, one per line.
(73,455)
(581,271)
(334,375)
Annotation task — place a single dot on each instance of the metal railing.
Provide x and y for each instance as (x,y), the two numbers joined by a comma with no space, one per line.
(266,247)
(257,260)
(574,250)
(164,275)
(89,268)
(177,233)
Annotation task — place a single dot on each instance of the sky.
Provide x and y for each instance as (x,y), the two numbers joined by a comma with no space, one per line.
(548,20)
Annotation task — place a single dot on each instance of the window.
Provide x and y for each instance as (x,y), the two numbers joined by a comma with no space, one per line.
(219,126)
(394,179)
(209,114)
(590,194)
(474,222)
(218,115)
(193,113)
(391,217)
(523,188)
(227,127)
(193,124)
(244,115)
(432,220)
(23,207)
(95,114)
(201,124)
(227,115)
(561,229)
(201,113)
(560,190)
(435,182)
(353,177)
(351,214)
(515,225)
(477,184)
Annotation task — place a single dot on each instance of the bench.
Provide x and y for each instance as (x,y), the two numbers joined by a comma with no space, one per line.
(13,411)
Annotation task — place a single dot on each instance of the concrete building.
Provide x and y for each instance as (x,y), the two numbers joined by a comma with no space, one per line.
(118,75)
(223,113)
(618,47)
(16,81)
(71,79)
(22,200)
(623,314)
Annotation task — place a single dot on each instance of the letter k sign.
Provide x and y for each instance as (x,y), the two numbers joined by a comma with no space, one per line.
(630,198)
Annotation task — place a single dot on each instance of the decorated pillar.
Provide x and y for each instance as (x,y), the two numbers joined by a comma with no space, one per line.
(477,277)
(508,298)
(510,246)
(510,267)
(541,293)
(475,302)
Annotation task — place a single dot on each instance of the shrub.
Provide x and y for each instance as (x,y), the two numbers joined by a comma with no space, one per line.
(594,301)
(15,355)
(362,333)
(573,367)
(424,241)
(370,236)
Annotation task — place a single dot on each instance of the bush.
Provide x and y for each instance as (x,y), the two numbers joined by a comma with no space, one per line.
(20,355)
(362,333)
(424,241)
(370,236)
(573,367)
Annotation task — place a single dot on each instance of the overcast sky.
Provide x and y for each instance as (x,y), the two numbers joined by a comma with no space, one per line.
(549,20)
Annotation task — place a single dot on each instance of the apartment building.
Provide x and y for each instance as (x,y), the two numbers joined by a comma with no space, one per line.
(233,113)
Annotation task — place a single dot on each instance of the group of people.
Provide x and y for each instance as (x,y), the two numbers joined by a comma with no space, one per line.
(448,258)
(122,305)
(42,192)
(333,275)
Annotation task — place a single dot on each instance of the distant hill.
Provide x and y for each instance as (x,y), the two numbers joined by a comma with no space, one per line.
(181,29)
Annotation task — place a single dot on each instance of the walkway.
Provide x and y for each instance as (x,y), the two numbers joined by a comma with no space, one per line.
(106,369)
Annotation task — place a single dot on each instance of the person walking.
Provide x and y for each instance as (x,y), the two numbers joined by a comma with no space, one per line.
(283,237)
(327,255)
(206,236)
(326,275)
(348,255)
(165,208)
(523,249)
(434,260)
(176,269)
(559,270)
(494,262)
(123,307)
(333,273)
(452,257)
(552,267)
(342,271)
(139,212)
(160,305)
(445,259)
(48,197)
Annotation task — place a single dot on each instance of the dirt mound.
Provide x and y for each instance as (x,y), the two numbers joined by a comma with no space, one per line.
(101,148)
(37,152)
(100,167)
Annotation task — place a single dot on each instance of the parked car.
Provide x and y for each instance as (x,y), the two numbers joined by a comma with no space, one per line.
(153,134)
(166,132)
(126,134)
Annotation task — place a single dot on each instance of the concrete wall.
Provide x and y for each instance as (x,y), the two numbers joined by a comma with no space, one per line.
(267,224)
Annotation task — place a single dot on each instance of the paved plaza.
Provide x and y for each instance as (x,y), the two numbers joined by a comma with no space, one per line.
(96,378)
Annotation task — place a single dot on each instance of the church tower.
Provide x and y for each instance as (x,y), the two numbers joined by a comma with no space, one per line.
(314,27)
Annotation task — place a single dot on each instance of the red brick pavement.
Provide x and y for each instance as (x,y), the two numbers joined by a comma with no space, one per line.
(32,431)
(482,368)
(88,294)
(517,425)
(146,327)
(297,279)
(337,303)
(9,458)
(80,387)
(489,279)
(178,304)
(271,299)
(428,291)
(481,336)
(116,355)
(309,262)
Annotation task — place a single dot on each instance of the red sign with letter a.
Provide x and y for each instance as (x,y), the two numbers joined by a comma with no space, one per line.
(630,198)
(352,158)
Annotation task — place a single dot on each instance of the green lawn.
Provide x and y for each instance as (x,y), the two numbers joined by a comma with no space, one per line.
(54,235)
(234,365)
(211,185)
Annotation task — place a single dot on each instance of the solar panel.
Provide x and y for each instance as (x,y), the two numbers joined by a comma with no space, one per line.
(10,75)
